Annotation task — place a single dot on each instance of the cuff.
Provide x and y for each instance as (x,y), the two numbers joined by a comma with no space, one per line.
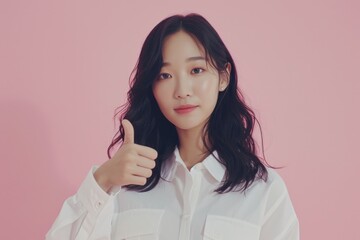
(92,196)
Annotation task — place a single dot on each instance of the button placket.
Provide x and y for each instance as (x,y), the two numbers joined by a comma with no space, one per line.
(185,218)
(191,193)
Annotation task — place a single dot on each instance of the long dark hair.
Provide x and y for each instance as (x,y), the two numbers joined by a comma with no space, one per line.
(230,127)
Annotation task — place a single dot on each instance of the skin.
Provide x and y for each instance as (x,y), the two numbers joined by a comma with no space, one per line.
(185,78)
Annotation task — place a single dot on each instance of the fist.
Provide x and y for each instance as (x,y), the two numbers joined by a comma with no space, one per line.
(131,164)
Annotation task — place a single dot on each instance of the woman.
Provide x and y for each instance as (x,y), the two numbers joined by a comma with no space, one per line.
(187,167)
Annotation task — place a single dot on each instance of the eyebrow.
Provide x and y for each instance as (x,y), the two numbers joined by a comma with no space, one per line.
(187,60)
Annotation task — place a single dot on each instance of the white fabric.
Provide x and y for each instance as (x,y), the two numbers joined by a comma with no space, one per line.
(182,206)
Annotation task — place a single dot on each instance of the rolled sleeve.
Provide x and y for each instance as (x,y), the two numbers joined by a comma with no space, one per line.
(87,214)
(91,195)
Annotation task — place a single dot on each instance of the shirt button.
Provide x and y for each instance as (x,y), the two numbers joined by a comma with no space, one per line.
(98,204)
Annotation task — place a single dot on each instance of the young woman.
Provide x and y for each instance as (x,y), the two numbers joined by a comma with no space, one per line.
(188,166)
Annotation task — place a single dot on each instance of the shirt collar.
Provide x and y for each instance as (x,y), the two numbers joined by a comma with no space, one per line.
(210,163)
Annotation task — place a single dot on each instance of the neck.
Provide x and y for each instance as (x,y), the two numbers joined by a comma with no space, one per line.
(191,146)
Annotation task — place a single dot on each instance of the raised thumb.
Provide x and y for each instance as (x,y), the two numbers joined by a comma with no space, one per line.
(128,131)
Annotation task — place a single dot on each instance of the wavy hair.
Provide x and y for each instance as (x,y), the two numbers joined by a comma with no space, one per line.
(229,128)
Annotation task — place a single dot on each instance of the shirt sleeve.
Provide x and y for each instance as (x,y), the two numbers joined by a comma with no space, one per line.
(85,215)
(280,220)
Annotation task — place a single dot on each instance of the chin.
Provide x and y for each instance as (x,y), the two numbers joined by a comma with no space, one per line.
(187,125)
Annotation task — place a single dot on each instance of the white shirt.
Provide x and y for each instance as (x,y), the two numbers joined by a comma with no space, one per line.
(182,206)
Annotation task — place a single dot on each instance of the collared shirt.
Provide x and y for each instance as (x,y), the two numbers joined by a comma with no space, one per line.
(183,206)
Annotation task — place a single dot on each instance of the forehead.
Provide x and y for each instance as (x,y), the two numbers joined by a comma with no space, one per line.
(181,45)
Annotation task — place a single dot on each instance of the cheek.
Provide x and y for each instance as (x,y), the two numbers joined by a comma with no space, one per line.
(161,95)
(206,88)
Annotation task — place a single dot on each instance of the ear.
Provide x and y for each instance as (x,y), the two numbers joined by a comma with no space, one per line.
(225,77)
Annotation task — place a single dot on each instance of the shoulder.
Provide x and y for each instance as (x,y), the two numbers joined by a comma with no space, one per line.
(275,181)
(273,186)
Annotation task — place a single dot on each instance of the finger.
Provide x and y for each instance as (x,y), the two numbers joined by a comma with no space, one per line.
(145,162)
(128,131)
(137,180)
(142,172)
(147,152)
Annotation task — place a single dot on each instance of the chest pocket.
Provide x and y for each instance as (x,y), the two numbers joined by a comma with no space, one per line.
(225,228)
(137,224)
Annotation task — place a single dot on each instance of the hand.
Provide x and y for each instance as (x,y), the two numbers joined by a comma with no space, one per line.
(131,164)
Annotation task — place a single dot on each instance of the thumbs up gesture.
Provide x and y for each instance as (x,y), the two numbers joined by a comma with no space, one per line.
(131,164)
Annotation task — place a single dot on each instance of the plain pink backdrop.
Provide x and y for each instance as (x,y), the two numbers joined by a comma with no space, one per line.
(65,67)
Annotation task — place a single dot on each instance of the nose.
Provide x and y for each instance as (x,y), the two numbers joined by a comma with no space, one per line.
(183,87)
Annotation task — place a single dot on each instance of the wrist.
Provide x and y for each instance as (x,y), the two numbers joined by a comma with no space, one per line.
(102,180)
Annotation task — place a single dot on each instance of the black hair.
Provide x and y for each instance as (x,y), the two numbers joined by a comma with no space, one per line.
(230,126)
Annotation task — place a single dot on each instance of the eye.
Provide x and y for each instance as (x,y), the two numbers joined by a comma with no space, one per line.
(164,76)
(197,70)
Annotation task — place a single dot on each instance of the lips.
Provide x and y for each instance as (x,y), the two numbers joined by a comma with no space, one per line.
(185,108)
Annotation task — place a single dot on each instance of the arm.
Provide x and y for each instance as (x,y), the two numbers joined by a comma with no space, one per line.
(88,214)
(85,215)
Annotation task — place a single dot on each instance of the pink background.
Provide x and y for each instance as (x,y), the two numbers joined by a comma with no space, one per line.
(65,68)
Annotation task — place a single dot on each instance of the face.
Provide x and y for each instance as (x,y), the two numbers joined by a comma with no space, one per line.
(187,87)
